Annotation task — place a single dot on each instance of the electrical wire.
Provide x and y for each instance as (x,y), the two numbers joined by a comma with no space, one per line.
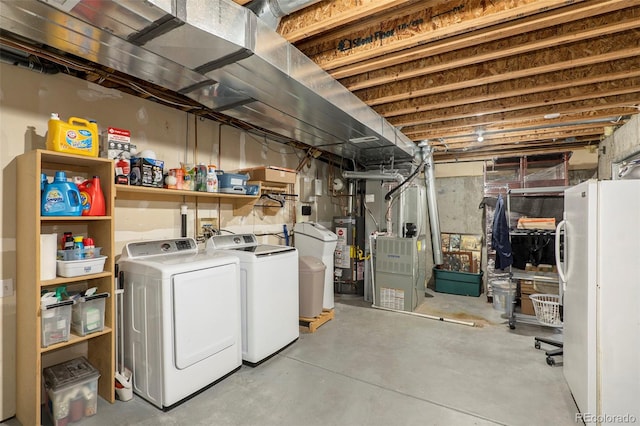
(404,186)
(146,92)
(366,207)
(407,180)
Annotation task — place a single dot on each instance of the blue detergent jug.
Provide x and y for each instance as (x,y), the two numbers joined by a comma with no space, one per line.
(60,198)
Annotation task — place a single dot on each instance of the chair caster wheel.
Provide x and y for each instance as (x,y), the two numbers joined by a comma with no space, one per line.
(551,361)
(537,345)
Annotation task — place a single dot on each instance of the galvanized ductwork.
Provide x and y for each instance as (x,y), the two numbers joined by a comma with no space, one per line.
(221,55)
(432,204)
(272,11)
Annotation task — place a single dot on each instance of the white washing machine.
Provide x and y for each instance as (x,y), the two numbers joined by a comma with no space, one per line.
(313,239)
(181,316)
(269,289)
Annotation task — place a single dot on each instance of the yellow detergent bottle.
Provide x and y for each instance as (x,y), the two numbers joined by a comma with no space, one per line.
(77,136)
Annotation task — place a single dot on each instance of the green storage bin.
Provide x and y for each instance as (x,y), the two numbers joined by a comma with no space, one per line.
(462,283)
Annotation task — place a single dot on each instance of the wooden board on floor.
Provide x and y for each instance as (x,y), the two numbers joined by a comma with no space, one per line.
(312,324)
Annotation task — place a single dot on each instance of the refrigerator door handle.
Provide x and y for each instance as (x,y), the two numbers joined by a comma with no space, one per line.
(559,264)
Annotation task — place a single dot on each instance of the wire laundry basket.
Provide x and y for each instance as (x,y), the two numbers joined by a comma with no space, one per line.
(547,308)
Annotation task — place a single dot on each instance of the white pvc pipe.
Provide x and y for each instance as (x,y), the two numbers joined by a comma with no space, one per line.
(373,272)
(416,314)
(373,176)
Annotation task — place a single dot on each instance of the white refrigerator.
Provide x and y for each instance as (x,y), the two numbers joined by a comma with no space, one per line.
(601,276)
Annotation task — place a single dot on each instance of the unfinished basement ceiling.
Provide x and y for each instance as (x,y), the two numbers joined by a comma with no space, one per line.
(529,76)
(477,79)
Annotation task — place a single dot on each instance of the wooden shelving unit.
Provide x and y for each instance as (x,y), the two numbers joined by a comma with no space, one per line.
(100,345)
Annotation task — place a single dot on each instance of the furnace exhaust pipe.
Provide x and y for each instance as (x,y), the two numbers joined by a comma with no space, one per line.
(432,205)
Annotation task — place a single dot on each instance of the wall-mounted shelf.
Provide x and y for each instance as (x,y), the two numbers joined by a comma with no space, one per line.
(128,192)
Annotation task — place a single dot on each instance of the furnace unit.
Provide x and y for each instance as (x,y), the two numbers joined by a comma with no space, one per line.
(400,272)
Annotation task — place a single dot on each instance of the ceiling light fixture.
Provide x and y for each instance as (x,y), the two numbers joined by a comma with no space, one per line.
(480,134)
(552,115)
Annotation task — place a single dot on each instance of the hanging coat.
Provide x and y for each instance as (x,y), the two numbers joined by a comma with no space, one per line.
(500,236)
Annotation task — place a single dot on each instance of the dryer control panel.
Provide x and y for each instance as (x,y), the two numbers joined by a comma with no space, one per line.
(159,247)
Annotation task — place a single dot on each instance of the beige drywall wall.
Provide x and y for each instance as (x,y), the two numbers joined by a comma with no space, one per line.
(26,101)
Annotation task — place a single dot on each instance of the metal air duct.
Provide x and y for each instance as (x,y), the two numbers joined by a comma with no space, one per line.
(219,54)
(272,11)
(434,219)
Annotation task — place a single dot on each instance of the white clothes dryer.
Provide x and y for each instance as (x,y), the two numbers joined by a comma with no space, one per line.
(181,318)
(269,283)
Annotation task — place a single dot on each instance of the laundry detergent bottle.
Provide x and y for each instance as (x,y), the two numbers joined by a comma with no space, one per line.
(76,136)
(60,198)
(91,197)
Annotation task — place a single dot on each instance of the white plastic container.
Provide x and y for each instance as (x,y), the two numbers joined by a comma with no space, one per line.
(87,315)
(75,268)
(56,323)
(71,390)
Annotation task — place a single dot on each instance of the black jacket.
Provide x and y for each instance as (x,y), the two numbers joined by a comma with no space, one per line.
(500,236)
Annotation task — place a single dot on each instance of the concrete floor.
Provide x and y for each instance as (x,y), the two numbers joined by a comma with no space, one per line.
(373,367)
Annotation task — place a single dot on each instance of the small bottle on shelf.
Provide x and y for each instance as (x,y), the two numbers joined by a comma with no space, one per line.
(67,241)
(79,245)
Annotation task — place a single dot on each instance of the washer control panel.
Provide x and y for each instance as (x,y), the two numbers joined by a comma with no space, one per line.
(235,241)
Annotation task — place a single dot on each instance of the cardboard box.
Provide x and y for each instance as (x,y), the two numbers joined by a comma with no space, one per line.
(146,172)
(526,305)
(526,287)
(271,174)
(116,145)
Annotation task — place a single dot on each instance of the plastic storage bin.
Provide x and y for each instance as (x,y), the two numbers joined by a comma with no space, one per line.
(233,183)
(75,268)
(79,254)
(311,286)
(461,283)
(56,323)
(87,315)
(71,391)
